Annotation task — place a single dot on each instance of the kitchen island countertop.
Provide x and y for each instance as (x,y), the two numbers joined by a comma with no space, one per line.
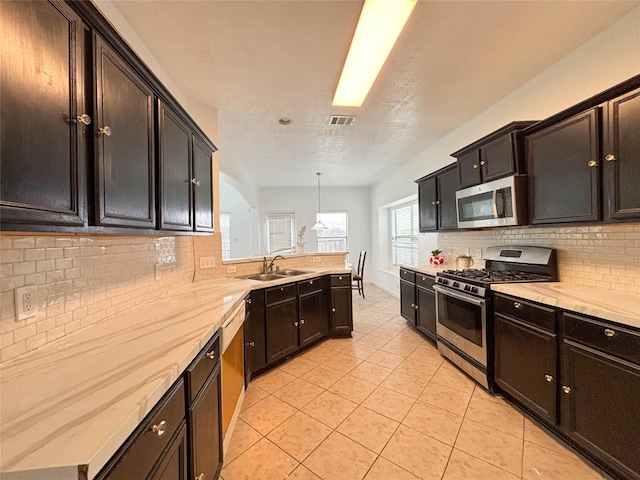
(66,408)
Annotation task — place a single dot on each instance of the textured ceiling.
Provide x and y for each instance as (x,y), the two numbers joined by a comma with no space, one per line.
(256,61)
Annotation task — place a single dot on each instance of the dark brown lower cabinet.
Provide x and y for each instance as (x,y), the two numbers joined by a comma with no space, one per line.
(341,306)
(282,329)
(174,464)
(408,302)
(426,318)
(525,364)
(312,312)
(205,430)
(255,342)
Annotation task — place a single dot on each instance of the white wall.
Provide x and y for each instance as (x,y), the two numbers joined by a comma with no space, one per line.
(244,230)
(303,201)
(606,60)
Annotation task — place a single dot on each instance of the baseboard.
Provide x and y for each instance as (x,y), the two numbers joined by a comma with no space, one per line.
(391,292)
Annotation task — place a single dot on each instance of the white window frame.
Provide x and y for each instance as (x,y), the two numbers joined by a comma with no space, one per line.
(227,241)
(404,241)
(320,234)
(275,249)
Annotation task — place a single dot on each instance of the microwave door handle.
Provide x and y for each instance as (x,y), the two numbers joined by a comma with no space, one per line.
(495,203)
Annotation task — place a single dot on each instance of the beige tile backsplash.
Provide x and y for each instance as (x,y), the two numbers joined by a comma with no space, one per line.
(82,280)
(603,256)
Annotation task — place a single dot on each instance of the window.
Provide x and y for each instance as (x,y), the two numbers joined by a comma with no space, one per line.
(280,233)
(404,234)
(225,230)
(335,238)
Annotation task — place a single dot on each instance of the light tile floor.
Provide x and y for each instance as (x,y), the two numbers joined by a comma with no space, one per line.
(384,405)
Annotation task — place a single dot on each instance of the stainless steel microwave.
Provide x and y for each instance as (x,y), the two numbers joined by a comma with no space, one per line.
(499,203)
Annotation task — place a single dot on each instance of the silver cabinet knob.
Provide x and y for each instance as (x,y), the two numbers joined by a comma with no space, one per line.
(475,165)
(295,323)
(416,307)
(200,477)
(548,378)
(592,163)
(249,300)
(340,278)
(610,158)
(483,163)
(160,428)
(609,333)
(413,305)
(566,389)
(310,282)
(211,354)
(424,278)
(301,322)
(84,118)
(517,305)
(252,344)
(195,182)
(282,289)
(333,309)
(106,130)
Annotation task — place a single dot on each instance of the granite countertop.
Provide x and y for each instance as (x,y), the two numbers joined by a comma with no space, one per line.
(66,408)
(619,307)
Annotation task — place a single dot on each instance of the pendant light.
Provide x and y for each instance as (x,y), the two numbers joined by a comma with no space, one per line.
(319,225)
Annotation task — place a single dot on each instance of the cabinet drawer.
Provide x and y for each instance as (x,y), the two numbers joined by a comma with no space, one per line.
(425,281)
(197,373)
(408,275)
(283,292)
(138,455)
(343,280)
(603,336)
(531,313)
(308,286)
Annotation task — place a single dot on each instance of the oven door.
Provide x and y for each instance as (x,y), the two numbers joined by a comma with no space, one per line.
(462,321)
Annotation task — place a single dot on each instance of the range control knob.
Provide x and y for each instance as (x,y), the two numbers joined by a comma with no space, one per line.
(474,289)
(455,284)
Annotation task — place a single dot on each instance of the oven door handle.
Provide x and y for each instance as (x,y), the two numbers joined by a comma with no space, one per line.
(460,296)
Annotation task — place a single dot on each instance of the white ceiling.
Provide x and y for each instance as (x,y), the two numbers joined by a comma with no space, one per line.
(256,61)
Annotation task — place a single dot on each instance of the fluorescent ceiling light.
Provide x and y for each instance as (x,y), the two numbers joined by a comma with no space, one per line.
(379,26)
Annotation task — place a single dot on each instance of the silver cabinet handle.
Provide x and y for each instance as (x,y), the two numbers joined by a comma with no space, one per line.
(609,333)
(566,389)
(211,354)
(160,428)
(84,118)
(610,158)
(106,130)
(548,378)
(517,305)
(195,182)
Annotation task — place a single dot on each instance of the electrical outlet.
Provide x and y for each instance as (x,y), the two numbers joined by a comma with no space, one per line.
(317,259)
(231,269)
(207,262)
(26,299)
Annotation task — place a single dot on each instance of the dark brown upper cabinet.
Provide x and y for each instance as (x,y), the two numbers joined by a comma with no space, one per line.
(437,200)
(124,164)
(202,182)
(43,147)
(621,155)
(497,155)
(564,177)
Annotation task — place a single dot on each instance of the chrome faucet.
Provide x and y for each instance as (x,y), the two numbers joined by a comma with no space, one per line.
(269,268)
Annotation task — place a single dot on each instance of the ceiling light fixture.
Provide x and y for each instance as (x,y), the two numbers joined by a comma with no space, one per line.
(319,225)
(379,26)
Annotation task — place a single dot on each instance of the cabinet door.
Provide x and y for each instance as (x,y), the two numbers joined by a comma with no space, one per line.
(497,158)
(621,166)
(203,187)
(341,312)
(447,208)
(427,198)
(600,406)
(173,465)
(282,329)
(408,302)
(563,170)
(124,168)
(42,91)
(174,172)
(426,313)
(205,431)
(255,334)
(314,323)
(529,378)
(469,169)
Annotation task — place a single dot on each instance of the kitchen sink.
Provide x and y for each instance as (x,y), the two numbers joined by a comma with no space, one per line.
(265,277)
(290,273)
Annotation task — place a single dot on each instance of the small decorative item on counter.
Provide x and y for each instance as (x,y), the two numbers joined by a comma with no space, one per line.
(436,258)
(464,262)
(300,246)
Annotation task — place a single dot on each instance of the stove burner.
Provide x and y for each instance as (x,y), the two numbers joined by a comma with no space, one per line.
(495,276)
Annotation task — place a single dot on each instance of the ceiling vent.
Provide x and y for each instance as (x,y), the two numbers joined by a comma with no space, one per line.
(342,120)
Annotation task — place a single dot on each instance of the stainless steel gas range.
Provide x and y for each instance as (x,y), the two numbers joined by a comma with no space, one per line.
(463,303)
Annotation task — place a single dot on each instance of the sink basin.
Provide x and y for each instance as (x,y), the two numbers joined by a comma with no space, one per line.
(263,277)
(290,273)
